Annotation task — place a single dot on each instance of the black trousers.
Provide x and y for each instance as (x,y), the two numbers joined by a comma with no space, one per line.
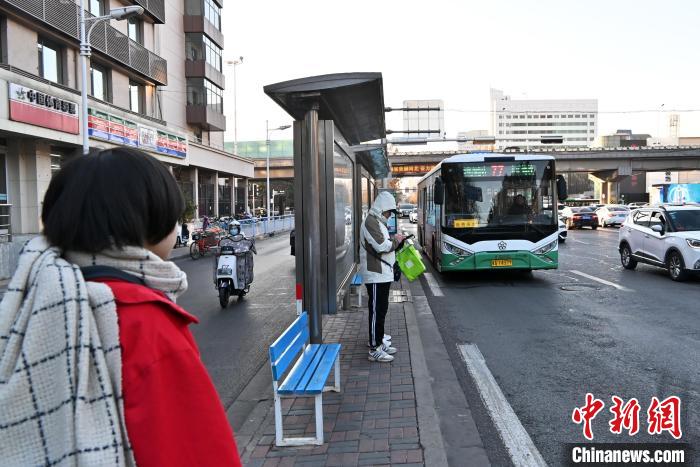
(378,305)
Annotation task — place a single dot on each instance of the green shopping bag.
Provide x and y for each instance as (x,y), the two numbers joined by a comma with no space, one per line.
(410,261)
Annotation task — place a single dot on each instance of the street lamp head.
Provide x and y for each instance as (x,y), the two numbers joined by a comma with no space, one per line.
(125,12)
(284,127)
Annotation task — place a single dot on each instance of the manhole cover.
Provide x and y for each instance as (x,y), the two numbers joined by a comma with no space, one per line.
(578,287)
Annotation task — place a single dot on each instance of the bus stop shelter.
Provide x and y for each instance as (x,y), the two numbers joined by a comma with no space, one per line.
(335,179)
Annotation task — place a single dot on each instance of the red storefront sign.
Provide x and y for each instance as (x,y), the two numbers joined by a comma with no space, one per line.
(38,108)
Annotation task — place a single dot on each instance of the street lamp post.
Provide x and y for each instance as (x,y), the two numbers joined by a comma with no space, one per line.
(234,64)
(267,170)
(118,14)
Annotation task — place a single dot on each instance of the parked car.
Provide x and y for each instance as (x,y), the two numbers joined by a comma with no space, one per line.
(667,236)
(405,209)
(413,217)
(612,215)
(579,217)
(562,231)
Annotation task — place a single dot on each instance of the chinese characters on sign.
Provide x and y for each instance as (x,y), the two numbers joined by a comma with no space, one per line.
(661,416)
(37,108)
(120,130)
(412,168)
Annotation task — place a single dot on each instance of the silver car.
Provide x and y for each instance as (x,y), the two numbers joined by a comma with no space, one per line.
(612,214)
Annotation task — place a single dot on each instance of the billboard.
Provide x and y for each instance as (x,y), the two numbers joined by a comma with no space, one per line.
(28,105)
(679,193)
(102,125)
(424,123)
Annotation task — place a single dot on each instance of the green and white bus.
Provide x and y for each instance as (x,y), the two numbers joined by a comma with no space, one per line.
(491,211)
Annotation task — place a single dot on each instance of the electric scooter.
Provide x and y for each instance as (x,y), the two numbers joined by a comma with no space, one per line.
(233,267)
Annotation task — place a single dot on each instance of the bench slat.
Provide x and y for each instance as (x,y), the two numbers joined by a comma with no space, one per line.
(315,385)
(310,371)
(289,356)
(300,325)
(300,368)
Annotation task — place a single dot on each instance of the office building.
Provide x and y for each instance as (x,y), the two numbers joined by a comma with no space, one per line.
(528,123)
(155,83)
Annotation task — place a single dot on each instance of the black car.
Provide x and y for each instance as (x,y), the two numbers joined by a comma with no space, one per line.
(579,217)
(292,239)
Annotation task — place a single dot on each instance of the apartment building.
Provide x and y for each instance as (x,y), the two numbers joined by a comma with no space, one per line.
(528,123)
(155,82)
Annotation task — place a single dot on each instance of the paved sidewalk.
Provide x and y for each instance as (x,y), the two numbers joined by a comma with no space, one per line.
(372,421)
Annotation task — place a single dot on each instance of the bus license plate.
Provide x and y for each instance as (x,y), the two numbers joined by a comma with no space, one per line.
(499,263)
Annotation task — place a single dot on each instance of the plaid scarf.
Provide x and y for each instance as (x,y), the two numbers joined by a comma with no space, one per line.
(60,359)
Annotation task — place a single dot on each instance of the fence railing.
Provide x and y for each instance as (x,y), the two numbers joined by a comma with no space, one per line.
(5,223)
(260,226)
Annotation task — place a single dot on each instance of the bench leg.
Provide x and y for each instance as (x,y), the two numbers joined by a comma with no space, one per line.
(336,377)
(319,419)
(279,430)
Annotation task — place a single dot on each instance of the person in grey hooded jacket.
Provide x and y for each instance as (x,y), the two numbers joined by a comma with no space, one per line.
(376,267)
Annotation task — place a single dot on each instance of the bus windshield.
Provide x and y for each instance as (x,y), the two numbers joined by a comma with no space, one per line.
(499,197)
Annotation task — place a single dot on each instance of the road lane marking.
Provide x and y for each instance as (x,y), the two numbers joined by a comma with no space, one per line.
(577,241)
(517,441)
(602,281)
(433,284)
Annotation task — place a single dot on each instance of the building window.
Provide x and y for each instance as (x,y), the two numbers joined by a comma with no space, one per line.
(215,96)
(99,83)
(578,116)
(549,116)
(50,61)
(137,97)
(212,12)
(135,30)
(97,7)
(592,115)
(213,54)
(3,179)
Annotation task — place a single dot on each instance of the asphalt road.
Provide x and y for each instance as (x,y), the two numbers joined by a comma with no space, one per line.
(233,342)
(551,337)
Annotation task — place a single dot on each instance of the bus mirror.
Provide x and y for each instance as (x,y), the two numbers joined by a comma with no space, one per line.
(562,192)
(439,194)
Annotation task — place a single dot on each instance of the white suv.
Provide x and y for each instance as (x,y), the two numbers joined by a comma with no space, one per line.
(667,236)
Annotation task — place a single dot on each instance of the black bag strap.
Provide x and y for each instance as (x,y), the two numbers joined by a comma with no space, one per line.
(108,272)
(376,255)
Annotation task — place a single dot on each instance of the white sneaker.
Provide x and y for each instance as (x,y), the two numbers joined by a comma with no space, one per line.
(386,341)
(388,349)
(379,355)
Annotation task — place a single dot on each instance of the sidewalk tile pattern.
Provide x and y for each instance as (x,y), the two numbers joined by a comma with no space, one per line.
(371,422)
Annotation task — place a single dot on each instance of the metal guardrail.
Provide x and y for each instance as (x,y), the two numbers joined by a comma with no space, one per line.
(5,223)
(260,226)
(64,16)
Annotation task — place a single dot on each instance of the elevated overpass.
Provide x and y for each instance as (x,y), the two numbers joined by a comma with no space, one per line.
(607,162)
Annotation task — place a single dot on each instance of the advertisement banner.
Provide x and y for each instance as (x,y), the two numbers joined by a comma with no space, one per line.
(37,108)
(679,193)
(113,128)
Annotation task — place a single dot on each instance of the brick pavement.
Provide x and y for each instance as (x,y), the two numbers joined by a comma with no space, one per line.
(372,421)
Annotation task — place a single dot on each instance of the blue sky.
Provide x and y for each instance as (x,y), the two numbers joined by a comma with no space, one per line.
(630,55)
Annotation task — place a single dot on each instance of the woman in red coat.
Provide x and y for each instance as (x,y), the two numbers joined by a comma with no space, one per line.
(114,215)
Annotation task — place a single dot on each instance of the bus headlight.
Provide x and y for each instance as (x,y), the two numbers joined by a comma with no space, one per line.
(455,250)
(546,249)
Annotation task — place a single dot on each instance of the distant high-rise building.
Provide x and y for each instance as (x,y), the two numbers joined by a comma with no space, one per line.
(674,121)
(523,123)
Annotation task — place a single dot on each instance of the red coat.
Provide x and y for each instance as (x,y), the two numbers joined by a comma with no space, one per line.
(173,414)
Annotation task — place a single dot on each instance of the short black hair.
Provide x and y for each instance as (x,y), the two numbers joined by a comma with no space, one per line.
(115,197)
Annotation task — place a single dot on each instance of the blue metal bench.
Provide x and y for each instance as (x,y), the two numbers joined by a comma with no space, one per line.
(308,376)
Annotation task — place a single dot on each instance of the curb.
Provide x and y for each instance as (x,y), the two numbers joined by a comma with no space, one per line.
(428,422)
